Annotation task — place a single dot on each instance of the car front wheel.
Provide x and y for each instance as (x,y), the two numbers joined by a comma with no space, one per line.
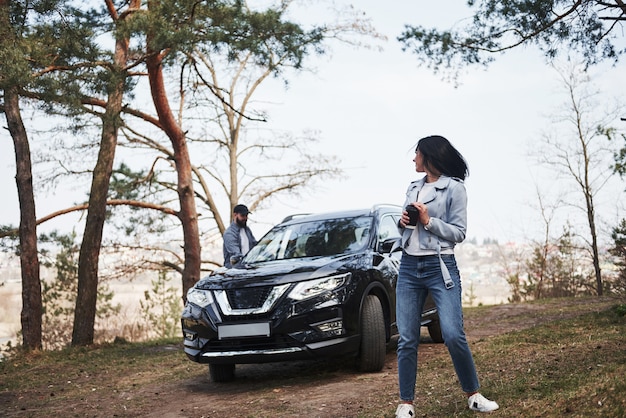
(373,336)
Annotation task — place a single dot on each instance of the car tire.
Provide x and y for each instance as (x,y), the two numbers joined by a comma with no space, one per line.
(373,337)
(434,329)
(222,372)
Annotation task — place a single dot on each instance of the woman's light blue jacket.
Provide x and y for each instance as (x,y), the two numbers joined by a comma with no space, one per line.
(447,208)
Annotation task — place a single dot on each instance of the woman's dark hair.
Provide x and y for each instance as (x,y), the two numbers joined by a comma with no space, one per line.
(439,154)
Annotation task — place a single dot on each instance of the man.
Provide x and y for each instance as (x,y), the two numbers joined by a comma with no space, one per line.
(238,238)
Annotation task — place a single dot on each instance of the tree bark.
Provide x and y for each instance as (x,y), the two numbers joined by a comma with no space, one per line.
(188,213)
(31,316)
(85,312)
(594,243)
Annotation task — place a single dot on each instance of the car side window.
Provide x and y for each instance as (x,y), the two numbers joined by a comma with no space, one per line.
(388,228)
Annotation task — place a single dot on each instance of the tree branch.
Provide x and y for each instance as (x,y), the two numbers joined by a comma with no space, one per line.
(85,206)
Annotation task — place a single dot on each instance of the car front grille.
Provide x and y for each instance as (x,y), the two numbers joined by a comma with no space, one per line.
(255,300)
(248,298)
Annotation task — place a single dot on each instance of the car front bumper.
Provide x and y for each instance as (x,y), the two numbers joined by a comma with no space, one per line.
(315,328)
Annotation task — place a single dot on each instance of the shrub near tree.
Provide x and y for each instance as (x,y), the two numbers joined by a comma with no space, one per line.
(161,308)
(555,269)
(59,292)
(619,252)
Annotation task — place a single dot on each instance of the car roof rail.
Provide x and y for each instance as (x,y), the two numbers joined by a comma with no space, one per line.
(295,215)
(379,206)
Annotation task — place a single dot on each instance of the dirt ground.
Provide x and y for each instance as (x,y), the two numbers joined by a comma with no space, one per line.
(321,388)
(333,389)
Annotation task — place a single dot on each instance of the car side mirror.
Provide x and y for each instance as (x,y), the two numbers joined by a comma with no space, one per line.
(389,245)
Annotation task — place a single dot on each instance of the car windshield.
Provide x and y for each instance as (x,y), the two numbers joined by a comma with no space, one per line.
(312,239)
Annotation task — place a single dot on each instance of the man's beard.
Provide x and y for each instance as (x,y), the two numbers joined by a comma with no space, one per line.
(241,223)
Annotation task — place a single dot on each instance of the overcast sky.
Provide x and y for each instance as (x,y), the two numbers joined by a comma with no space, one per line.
(372,106)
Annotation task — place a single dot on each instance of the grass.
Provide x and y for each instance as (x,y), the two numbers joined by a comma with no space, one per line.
(573,367)
(565,368)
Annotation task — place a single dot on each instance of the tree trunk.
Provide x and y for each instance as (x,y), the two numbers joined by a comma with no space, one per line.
(85,312)
(31,316)
(594,244)
(188,214)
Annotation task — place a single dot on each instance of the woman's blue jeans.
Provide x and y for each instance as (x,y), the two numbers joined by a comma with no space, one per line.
(418,276)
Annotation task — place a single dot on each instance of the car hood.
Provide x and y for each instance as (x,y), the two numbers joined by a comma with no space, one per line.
(278,272)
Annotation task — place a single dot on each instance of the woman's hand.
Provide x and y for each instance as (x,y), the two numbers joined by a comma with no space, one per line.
(404,220)
(424,218)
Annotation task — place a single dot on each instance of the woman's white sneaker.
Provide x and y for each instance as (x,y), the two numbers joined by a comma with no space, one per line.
(478,402)
(405,410)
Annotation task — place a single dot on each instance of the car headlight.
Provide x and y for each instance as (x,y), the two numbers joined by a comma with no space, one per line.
(310,288)
(199,297)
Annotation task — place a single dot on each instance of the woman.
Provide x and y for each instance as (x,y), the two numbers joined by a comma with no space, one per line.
(428,265)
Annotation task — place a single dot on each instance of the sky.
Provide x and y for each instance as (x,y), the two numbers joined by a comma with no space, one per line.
(372,106)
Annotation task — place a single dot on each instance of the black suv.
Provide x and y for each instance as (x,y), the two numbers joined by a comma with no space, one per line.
(315,285)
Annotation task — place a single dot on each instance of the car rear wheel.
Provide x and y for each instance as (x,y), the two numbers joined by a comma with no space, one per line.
(373,337)
(434,329)
(222,372)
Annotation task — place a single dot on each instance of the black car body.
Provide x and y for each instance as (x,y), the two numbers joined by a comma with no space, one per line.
(315,285)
